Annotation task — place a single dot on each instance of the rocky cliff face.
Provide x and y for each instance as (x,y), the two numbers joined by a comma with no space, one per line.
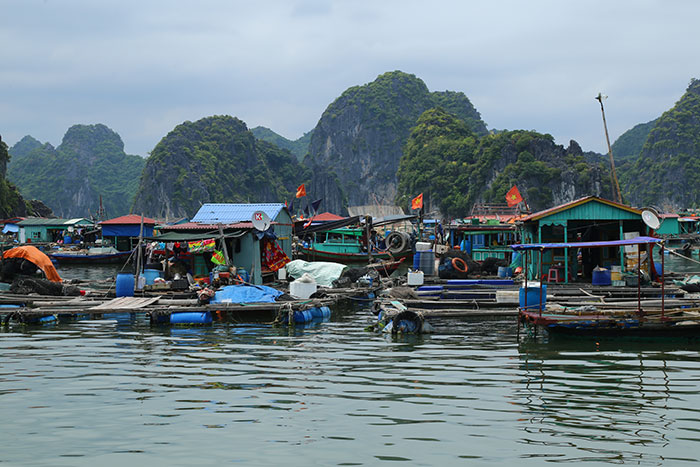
(545,173)
(89,163)
(12,204)
(214,160)
(667,172)
(357,144)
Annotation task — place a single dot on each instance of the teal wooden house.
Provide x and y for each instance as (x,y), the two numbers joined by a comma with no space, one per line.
(587,219)
(670,225)
(481,241)
(44,230)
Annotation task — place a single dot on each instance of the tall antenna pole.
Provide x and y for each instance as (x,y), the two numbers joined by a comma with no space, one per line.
(613,175)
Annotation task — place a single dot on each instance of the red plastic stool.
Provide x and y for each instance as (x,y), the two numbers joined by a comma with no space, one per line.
(553,275)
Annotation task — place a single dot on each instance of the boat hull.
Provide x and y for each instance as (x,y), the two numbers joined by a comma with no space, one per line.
(90,259)
(359,259)
(599,327)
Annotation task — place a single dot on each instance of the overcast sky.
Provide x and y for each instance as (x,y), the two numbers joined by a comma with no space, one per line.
(143,67)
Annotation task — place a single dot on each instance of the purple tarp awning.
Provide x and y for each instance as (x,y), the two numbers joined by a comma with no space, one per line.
(546,246)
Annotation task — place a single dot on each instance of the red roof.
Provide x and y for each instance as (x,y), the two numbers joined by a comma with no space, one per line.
(326,216)
(130,219)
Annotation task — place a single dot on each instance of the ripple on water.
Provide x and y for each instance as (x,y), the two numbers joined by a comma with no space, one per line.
(120,391)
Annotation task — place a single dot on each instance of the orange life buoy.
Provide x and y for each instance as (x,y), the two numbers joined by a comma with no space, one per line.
(459,264)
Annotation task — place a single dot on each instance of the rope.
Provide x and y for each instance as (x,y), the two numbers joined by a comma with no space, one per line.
(682,256)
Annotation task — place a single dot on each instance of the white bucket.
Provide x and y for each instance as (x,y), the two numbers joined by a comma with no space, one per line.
(423,246)
(415,278)
(302,289)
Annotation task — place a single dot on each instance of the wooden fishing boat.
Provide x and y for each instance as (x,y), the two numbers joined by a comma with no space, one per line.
(680,322)
(634,318)
(348,246)
(95,255)
(386,268)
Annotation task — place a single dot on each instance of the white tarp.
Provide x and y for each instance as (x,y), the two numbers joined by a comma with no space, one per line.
(323,273)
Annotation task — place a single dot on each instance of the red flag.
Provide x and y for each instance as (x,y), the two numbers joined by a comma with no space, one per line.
(417,202)
(513,197)
(301,191)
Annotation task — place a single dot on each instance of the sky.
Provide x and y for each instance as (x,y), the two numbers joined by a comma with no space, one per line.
(143,67)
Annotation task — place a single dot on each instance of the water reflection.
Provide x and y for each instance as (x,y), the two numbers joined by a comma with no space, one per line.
(102,391)
(607,401)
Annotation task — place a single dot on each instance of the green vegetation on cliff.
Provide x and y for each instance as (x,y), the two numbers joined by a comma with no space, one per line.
(454,169)
(630,143)
(214,160)
(11,202)
(438,156)
(360,137)
(298,147)
(89,163)
(667,171)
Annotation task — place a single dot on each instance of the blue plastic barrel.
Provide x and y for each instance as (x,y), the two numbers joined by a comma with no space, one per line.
(532,300)
(151,275)
(43,320)
(504,271)
(301,317)
(321,312)
(658,268)
(191,318)
(125,284)
(424,261)
(601,277)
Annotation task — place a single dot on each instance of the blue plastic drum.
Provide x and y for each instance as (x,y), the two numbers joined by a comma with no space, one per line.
(125,284)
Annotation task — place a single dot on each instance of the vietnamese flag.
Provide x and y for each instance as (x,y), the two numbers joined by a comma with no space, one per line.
(513,197)
(417,202)
(301,191)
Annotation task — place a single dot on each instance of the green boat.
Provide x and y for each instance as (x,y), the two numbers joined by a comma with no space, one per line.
(349,246)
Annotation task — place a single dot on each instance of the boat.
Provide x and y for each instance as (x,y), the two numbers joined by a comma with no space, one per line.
(348,246)
(659,317)
(94,255)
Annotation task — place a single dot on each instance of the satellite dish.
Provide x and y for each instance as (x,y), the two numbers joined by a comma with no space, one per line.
(651,218)
(261,221)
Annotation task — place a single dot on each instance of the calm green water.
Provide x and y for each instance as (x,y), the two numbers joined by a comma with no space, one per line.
(112,392)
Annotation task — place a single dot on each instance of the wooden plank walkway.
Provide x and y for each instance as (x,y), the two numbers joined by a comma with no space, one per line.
(125,303)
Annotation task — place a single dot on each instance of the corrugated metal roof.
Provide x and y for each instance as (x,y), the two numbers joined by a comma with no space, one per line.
(225,213)
(196,226)
(129,220)
(42,221)
(578,202)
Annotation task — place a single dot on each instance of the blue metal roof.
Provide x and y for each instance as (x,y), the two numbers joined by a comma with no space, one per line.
(213,213)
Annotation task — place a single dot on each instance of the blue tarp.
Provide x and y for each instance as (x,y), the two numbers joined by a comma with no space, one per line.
(126,230)
(14,228)
(246,294)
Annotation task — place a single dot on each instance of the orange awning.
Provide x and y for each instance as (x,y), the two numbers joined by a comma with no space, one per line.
(36,256)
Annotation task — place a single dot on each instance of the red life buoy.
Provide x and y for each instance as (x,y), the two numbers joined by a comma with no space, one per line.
(459,264)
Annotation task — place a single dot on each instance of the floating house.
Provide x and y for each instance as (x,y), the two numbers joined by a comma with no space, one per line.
(245,244)
(490,239)
(588,219)
(487,233)
(44,230)
(124,231)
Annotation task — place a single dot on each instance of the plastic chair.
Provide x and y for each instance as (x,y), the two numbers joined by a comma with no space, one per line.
(553,275)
